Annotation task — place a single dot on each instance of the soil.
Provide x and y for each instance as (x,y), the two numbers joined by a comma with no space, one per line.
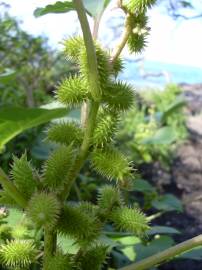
(185,180)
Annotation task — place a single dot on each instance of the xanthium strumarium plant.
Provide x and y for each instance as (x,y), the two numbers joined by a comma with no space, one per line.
(44,195)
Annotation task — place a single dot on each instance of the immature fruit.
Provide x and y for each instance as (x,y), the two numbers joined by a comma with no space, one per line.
(44,209)
(130,219)
(18,254)
(138,5)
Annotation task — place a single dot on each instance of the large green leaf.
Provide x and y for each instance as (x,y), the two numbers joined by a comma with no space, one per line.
(193,254)
(7,76)
(14,217)
(15,120)
(136,251)
(168,202)
(162,230)
(156,245)
(58,7)
(67,244)
(165,135)
(173,107)
(143,186)
(94,8)
(127,246)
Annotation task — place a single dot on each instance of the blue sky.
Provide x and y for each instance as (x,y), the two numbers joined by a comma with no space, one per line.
(169,41)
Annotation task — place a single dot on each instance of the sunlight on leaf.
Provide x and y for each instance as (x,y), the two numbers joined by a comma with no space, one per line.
(14,120)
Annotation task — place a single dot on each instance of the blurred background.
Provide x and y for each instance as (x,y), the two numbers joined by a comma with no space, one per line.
(162,135)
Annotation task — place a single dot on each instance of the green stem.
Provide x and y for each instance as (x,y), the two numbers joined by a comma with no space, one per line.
(83,153)
(90,50)
(50,242)
(93,106)
(12,190)
(165,255)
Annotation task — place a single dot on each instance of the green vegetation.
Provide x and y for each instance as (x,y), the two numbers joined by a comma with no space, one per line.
(84,203)
(152,130)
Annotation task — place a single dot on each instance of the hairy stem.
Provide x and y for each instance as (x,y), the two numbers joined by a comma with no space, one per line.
(83,153)
(12,190)
(123,40)
(50,242)
(92,107)
(84,114)
(84,108)
(165,255)
(90,49)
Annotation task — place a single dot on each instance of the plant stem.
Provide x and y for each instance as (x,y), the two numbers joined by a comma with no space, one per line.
(84,114)
(84,108)
(93,106)
(12,190)
(80,159)
(50,242)
(165,255)
(90,49)
(97,24)
(124,38)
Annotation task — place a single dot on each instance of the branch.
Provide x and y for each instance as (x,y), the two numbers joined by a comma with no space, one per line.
(90,50)
(12,190)
(165,255)
(123,41)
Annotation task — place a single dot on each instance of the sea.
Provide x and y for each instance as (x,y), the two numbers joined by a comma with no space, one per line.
(157,75)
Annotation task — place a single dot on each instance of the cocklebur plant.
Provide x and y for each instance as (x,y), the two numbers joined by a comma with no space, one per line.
(44,195)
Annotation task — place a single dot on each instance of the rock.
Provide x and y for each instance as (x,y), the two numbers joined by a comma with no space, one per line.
(194,124)
(193,95)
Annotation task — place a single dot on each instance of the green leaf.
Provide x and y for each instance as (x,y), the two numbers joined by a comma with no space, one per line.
(165,135)
(58,7)
(194,254)
(14,217)
(168,202)
(173,107)
(14,120)
(143,186)
(162,230)
(129,252)
(119,259)
(67,244)
(158,244)
(7,75)
(110,242)
(129,243)
(95,8)
(128,240)
(126,244)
